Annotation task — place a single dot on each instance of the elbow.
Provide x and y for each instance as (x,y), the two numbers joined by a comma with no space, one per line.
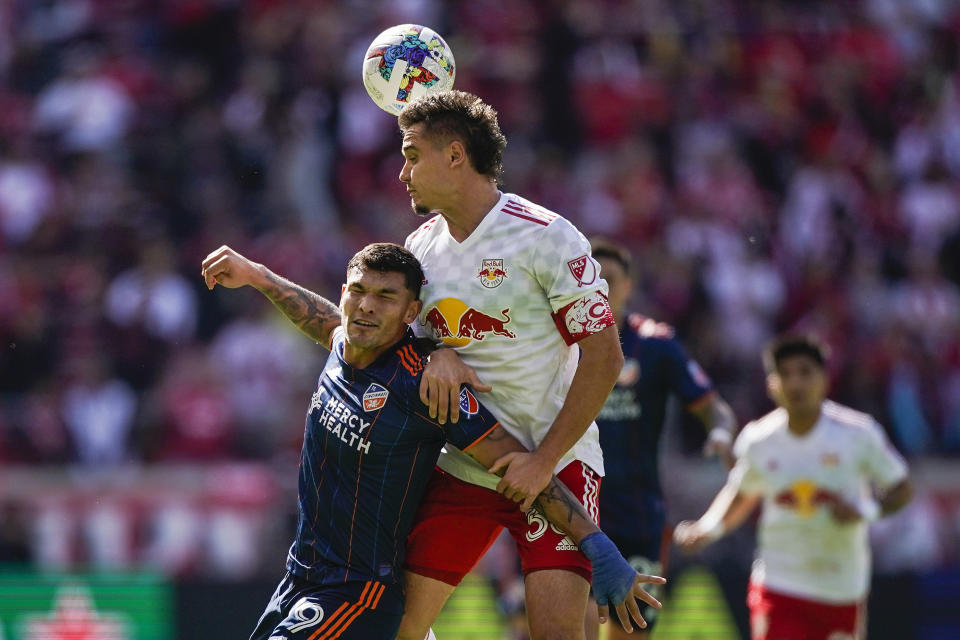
(613,362)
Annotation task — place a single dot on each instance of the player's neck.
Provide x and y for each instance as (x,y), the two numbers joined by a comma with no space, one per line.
(361,357)
(800,423)
(470,208)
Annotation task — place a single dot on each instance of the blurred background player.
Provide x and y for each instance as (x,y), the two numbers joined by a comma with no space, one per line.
(369,450)
(512,288)
(632,509)
(812,463)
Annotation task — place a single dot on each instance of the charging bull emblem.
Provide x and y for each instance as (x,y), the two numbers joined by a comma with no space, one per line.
(456,324)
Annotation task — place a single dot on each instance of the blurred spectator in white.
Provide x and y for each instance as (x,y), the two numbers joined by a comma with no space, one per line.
(87,109)
(53,533)
(99,411)
(108,533)
(154,296)
(930,208)
(173,535)
(26,192)
(926,303)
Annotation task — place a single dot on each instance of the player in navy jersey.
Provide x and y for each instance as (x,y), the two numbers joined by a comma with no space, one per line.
(632,510)
(369,449)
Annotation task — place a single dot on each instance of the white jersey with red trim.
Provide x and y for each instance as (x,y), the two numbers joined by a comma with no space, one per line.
(801,549)
(512,299)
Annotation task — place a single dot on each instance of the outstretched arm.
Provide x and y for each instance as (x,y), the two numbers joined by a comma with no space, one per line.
(314,315)
(727,512)
(614,580)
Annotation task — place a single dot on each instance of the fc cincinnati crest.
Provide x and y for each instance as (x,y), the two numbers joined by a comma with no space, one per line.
(374,397)
(491,272)
(583,270)
(468,404)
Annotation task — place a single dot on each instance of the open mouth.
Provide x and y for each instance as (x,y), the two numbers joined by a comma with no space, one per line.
(365,323)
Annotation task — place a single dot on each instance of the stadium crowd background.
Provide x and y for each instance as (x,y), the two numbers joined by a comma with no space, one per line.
(771,165)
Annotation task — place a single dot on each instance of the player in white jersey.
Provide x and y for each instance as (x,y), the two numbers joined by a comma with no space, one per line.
(822,472)
(512,289)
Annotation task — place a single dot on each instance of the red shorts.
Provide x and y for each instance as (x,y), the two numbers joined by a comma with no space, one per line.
(458,521)
(776,616)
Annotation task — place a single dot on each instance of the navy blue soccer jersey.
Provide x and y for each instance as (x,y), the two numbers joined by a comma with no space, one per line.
(369,448)
(631,421)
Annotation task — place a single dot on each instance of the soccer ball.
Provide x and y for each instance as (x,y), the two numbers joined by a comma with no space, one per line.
(405,62)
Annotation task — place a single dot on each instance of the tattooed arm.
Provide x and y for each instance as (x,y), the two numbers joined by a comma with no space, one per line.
(557,503)
(614,582)
(314,315)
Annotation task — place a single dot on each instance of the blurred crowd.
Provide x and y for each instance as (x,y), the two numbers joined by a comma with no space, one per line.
(771,165)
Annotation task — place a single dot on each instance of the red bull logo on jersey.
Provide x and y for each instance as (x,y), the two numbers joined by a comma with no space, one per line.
(492,272)
(803,496)
(583,269)
(455,323)
(468,403)
(374,397)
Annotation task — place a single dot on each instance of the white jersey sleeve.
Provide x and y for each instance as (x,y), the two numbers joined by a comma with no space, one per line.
(880,461)
(745,477)
(563,266)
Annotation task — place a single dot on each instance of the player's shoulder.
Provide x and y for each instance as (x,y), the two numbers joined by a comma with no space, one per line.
(763,428)
(844,417)
(650,330)
(410,357)
(421,233)
(519,215)
(518,211)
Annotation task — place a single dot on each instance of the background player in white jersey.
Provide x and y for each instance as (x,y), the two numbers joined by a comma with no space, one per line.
(512,288)
(822,472)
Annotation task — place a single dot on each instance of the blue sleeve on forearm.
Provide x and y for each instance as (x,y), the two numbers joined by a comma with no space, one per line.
(612,575)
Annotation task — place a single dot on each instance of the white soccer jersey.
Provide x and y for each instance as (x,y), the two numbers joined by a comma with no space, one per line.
(492,297)
(801,549)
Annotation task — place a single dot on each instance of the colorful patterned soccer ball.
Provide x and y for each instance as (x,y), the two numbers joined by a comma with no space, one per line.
(405,62)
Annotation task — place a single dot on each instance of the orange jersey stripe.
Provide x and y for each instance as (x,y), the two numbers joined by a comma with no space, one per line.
(352,614)
(485,434)
(329,621)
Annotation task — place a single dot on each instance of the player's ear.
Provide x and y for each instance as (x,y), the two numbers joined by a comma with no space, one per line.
(413,310)
(456,153)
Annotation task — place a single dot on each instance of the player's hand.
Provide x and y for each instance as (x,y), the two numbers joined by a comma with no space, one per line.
(690,536)
(440,384)
(228,268)
(720,443)
(629,608)
(525,475)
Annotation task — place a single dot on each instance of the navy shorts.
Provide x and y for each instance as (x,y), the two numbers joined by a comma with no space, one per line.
(301,610)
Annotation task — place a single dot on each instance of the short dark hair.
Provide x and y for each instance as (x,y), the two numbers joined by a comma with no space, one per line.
(603,248)
(387,257)
(462,116)
(791,345)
